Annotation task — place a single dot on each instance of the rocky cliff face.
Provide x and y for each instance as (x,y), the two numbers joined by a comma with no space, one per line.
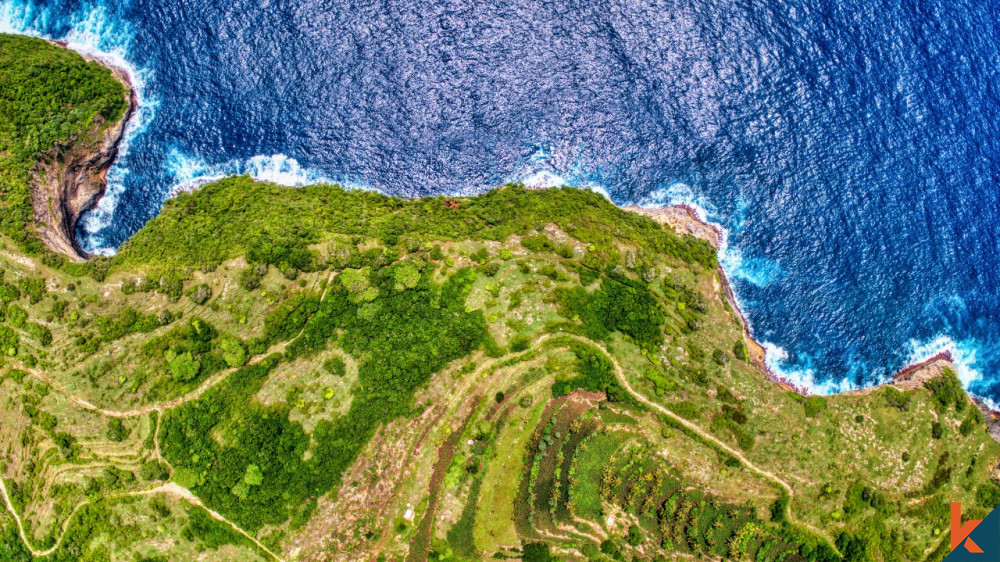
(70,180)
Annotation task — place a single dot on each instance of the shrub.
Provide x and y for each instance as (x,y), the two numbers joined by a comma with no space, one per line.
(619,305)
(9,293)
(971,421)
(947,390)
(740,350)
(34,287)
(9,341)
(779,509)
(200,294)
(250,279)
(125,322)
(234,351)
(537,243)
(490,269)
(183,367)
(39,333)
(988,494)
(117,431)
(937,430)
(720,357)
(154,470)
(520,343)
(335,366)
(813,405)
(537,552)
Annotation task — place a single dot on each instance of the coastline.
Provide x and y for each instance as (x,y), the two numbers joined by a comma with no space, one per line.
(685,220)
(79,184)
(71,180)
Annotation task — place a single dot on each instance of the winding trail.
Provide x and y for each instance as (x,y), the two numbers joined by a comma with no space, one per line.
(175,490)
(145,410)
(169,488)
(180,492)
(620,375)
(20,525)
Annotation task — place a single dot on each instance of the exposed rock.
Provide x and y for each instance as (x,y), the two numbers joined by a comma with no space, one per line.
(70,180)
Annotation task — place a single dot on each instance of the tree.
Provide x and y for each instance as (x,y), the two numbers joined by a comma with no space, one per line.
(234,352)
(200,294)
(183,367)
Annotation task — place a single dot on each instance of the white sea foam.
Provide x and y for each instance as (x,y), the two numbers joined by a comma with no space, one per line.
(963,354)
(97,35)
(776,359)
(190,172)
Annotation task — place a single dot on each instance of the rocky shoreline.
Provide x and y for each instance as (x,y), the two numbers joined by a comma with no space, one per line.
(70,180)
(684,220)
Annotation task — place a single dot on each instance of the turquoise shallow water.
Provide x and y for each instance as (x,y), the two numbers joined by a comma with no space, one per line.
(850,151)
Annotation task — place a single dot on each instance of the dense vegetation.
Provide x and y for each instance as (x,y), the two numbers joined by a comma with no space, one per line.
(238,216)
(404,337)
(49,98)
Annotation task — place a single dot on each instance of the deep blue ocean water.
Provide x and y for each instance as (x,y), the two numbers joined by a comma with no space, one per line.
(851,150)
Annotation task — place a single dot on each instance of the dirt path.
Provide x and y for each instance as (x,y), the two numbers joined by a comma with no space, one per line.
(170,489)
(177,491)
(193,395)
(620,374)
(145,410)
(20,525)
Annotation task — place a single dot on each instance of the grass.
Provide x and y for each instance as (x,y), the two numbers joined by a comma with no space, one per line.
(494,529)
(592,456)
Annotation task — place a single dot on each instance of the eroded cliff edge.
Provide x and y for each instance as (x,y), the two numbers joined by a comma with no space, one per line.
(70,179)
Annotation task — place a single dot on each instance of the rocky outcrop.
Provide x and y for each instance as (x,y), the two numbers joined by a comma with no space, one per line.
(70,180)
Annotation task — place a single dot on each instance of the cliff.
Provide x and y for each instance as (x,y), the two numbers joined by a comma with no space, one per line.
(70,179)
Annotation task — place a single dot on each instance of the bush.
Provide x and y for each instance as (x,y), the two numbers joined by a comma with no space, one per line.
(988,494)
(520,343)
(250,279)
(947,390)
(537,552)
(720,357)
(596,374)
(9,341)
(619,305)
(234,351)
(335,366)
(779,509)
(34,287)
(121,324)
(937,430)
(740,350)
(183,367)
(813,405)
(490,269)
(154,470)
(9,293)
(39,333)
(117,431)
(200,294)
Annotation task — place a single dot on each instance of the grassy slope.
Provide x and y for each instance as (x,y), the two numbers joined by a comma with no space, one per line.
(206,356)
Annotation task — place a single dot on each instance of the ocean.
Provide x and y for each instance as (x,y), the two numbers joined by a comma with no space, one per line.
(850,151)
